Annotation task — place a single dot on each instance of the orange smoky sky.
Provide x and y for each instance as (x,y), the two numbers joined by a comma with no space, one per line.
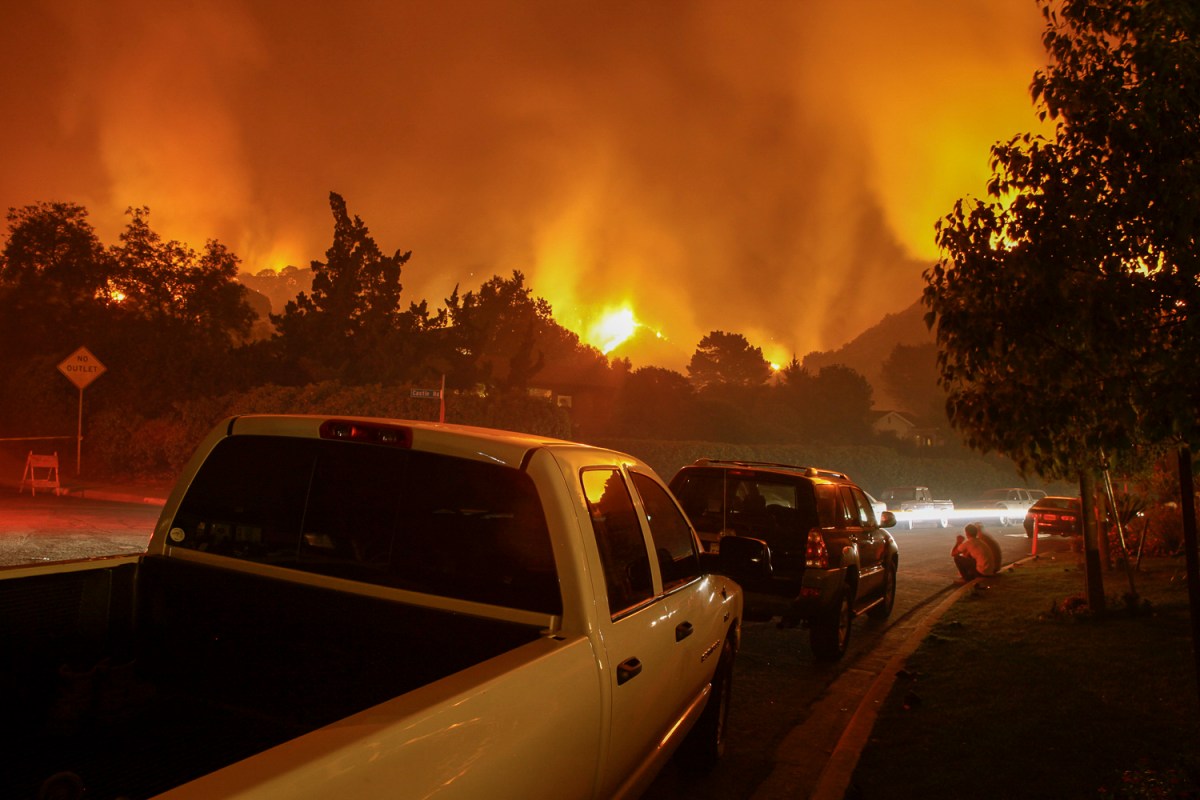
(768,168)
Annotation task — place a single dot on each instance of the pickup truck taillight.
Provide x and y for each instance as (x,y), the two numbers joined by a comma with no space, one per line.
(374,433)
(815,553)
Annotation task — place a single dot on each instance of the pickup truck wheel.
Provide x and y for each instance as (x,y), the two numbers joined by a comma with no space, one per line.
(705,744)
(884,609)
(829,633)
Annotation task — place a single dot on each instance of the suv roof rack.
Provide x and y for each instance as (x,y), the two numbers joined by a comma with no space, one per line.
(811,472)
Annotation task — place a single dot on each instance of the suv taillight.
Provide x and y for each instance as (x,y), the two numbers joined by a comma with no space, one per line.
(815,552)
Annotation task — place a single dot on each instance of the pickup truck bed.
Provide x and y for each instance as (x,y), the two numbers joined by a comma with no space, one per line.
(181,680)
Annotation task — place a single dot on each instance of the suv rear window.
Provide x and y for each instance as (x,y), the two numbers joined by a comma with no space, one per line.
(381,515)
(744,501)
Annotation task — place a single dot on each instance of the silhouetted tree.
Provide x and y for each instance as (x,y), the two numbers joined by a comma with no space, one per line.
(656,403)
(353,316)
(181,316)
(502,336)
(55,278)
(168,283)
(727,359)
(1065,308)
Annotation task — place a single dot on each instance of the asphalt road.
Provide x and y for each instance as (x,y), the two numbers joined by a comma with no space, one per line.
(51,528)
(788,711)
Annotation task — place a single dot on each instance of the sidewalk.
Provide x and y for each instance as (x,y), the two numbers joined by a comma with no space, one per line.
(148,494)
(152,493)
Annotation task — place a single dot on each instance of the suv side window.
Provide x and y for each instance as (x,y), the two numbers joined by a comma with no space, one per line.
(618,538)
(830,511)
(865,512)
(702,493)
(673,541)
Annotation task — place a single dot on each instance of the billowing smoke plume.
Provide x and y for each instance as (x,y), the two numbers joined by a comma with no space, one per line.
(768,168)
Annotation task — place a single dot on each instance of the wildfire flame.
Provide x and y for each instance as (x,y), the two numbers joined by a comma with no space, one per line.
(611,329)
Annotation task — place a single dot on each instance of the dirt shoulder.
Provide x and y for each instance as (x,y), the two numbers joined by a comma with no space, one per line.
(1019,691)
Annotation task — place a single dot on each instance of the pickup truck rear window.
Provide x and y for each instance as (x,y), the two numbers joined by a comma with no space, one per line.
(400,518)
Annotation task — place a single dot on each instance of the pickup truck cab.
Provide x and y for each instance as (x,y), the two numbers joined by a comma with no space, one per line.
(827,558)
(335,607)
(913,504)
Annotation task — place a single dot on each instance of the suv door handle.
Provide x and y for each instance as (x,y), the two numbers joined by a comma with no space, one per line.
(627,669)
(683,630)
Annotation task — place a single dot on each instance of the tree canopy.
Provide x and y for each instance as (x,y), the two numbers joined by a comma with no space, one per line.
(727,359)
(1065,306)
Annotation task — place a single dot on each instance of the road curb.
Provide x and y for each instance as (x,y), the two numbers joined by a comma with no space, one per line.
(115,496)
(839,769)
(835,778)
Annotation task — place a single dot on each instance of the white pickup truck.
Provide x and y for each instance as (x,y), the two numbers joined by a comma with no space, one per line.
(913,504)
(358,608)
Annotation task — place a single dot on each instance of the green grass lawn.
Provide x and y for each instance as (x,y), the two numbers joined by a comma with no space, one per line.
(1011,696)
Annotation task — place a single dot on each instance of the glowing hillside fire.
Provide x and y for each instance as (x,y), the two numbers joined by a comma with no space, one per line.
(714,169)
(613,328)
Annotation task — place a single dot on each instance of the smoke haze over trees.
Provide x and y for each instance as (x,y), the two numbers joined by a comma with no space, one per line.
(173,325)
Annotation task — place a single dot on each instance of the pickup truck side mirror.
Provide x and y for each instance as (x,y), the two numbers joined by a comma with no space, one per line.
(745,559)
(887,519)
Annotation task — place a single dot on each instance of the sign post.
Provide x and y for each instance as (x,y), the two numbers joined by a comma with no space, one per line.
(81,368)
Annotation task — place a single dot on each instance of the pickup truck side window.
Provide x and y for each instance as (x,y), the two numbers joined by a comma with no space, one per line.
(618,538)
(401,518)
(673,540)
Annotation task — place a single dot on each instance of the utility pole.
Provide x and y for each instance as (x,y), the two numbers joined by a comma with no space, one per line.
(1187,506)
(1093,579)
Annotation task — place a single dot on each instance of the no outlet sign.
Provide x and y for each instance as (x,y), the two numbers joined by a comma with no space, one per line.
(81,367)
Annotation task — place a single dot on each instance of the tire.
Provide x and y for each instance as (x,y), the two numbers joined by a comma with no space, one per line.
(705,743)
(829,631)
(883,610)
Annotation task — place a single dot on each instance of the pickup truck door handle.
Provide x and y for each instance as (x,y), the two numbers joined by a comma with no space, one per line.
(629,668)
(682,631)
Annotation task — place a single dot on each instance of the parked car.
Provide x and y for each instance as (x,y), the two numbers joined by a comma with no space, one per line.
(1059,516)
(1012,503)
(828,558)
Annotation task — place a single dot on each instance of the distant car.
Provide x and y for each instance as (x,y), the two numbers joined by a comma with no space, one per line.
(914,504)
(1012,502)
(1059,516)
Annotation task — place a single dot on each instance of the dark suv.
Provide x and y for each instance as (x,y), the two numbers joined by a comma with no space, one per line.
(826,558)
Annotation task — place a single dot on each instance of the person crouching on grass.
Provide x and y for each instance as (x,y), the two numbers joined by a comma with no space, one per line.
(972,555)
